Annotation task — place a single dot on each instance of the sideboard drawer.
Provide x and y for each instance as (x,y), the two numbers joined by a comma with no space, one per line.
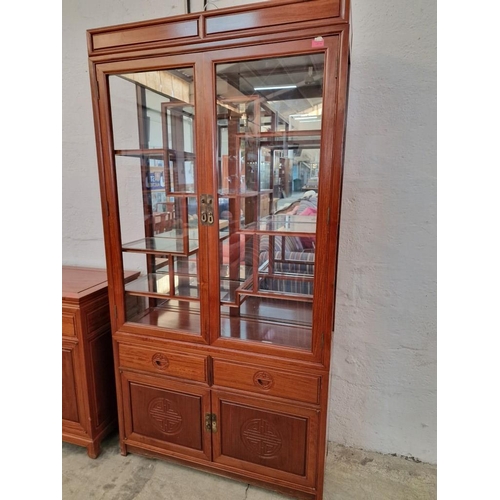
(160,361)
(68,324)
(283,384)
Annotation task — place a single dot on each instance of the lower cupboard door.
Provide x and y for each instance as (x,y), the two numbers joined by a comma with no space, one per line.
(71,403)
(266,438)
(166,416)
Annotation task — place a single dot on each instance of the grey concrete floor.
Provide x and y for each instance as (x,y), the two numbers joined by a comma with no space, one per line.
(350,475)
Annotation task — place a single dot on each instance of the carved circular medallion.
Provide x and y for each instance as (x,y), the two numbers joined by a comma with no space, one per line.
(261,437)
(160,361)
(165,416)
(263,380)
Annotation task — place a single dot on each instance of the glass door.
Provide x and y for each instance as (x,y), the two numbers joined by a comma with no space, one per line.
(269,169)
(153,121)
(221,193)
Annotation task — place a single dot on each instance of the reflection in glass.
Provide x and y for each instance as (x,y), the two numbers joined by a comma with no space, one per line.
(269,114)
(153,119)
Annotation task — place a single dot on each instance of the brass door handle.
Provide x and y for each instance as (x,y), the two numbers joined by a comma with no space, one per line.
(207,209)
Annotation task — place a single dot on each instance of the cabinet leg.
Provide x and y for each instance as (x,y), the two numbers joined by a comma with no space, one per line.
(93,450)
(123,449)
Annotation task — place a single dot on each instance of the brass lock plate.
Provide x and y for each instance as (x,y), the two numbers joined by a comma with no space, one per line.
(207,209)
(210,422)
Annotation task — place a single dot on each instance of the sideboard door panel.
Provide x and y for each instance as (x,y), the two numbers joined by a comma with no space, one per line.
(269,438)
(166,414)
(69,383)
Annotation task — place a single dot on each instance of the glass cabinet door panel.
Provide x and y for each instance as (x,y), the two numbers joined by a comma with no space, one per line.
(135,128)
(153,122)
(269,115)
(177,127)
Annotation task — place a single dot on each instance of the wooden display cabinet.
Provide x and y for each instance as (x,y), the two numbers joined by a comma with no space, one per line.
(209,128)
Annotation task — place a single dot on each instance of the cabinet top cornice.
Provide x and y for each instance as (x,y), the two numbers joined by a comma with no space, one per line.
(220,27)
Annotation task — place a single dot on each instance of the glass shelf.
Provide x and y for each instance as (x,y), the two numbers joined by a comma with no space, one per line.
(279,224)
(155,154)
(170,243)
(270,321)
(231,193)
(269,333)
(173,315)
(152,285)
(289,134)
(162,245)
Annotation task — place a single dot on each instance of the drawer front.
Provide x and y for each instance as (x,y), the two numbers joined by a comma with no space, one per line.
(283,384)
(160,361)
(68,324)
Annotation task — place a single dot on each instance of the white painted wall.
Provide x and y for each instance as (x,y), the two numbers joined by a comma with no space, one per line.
(384,371)
(384,376)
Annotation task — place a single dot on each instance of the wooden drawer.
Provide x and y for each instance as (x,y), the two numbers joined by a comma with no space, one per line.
(283,384)
(68,324)
(160,361)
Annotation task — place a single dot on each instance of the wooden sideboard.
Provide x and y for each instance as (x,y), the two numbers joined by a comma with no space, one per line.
(88,384)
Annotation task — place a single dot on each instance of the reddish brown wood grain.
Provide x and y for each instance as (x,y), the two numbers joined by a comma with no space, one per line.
(270,16)
(164,362)
(174,372)
(266,438)
(166,415)
(167,31)
(217,25)
(88,385)
(267,381)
